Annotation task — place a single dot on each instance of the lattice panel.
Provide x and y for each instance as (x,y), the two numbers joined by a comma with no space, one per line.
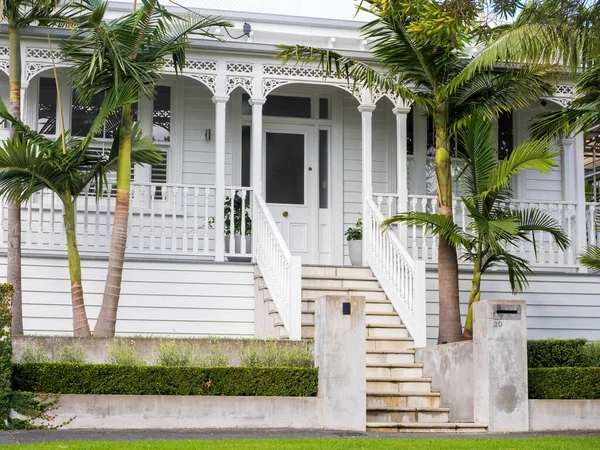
(269,85)
(33,68)
(4,66)
(240,67)
(4,51)
(292,71)
(246,83)
(210,81)
(565,90)
(195,64)
(565,102)
(43,53)
(354,92)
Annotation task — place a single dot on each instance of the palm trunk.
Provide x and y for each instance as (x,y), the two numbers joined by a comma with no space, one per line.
(14,209)
(473,297)
(105,326)
(449,310)
(81,327)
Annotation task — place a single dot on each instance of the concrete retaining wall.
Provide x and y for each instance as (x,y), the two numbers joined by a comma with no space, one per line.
(178,412)
(97,348)
(449,366)
(555,415)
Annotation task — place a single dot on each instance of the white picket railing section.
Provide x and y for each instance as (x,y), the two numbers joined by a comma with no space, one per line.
(164,219)
(281,271)
(592,212)
(401,277)
(424,247)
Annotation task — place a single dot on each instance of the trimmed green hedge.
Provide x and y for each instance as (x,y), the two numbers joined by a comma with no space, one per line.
(564,383)
(69,378)
(556,353)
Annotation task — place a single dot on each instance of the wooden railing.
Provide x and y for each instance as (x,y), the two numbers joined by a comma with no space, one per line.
(164,219)
(401,277)
(424,247)
(281,271)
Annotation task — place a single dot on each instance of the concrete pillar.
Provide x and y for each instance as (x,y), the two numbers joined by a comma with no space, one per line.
(500,365)
(220,124)
(340,355)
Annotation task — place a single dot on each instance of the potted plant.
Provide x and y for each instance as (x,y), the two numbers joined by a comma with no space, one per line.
(237,231)
(354,238)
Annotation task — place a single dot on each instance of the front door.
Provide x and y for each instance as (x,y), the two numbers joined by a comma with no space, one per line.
(290,186)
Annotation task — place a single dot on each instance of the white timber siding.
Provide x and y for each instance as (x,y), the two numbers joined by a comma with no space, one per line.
(198,154)
(559,305)
(532,185)
(160,298)
(353,158)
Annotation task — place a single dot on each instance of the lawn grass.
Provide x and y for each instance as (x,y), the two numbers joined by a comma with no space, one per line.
(553,443)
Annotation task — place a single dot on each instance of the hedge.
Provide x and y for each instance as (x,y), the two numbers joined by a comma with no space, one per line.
(71,378)
(564,383)
(556,353)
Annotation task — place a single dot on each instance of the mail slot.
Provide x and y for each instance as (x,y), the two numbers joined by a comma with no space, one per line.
(507,312)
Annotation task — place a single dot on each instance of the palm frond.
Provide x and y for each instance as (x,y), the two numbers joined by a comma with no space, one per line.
(532,220)
(518,269)
(591,257)
(436,224)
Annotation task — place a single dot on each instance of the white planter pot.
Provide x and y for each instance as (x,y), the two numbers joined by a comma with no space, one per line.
(355,250)
(238,248)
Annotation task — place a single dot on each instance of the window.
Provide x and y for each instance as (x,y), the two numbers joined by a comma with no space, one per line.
(161,114)
(323,168)
(246,155)
(83,115)
(505,134)
(285,168)
(410,132)
(324,108)
(281,106)
(47,106)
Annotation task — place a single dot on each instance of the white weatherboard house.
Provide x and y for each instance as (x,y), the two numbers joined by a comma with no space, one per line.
(309,156)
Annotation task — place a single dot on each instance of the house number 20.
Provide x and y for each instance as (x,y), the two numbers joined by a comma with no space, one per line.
(497,324)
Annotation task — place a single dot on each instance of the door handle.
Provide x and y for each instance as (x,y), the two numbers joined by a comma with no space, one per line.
(284,214)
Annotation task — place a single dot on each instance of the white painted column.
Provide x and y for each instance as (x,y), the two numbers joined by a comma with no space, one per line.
(256,144)
(366,112)
(220,123)
(568,171)
(578,180)
(401,112)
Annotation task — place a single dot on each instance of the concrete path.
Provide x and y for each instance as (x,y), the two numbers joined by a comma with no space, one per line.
(33,436)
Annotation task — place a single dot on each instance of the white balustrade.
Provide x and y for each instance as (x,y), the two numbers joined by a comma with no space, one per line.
(423,246)
(281,271)
(592,223)
(401,277)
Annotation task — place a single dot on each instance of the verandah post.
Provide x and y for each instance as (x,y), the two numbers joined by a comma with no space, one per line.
(220,118)
(366,111)
(401,112)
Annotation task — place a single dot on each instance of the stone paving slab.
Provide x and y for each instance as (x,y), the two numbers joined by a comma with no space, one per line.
(34,436)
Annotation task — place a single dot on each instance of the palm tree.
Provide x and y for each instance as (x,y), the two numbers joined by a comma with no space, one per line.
(495,225)
(19,14)
(127,55)
(423,70)
(30,162)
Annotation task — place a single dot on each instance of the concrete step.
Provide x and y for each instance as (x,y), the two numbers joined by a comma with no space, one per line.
(426,427)
(382,318)
(336,271)
(388,384)
(386,330)
(389,343)
(387,357)
(315,292)
(340,282)
(408,415)
(395,370)
(378,306)
(402,400)
(307,332)
(308,317)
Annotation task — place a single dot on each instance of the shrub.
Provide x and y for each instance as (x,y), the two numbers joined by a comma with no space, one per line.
(123,353)
(6,292)
(556,353)
(217,355)
(59,378)
(564,383)
(71,354)
(591,354)
(269,353)
(34,353)
(174,354)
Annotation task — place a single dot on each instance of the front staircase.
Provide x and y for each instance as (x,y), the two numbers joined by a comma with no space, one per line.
(399,397)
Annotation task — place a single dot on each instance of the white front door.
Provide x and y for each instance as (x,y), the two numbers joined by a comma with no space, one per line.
(290,187)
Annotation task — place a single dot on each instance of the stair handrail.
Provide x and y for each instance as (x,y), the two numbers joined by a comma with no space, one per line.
(401,277)
(281,271)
